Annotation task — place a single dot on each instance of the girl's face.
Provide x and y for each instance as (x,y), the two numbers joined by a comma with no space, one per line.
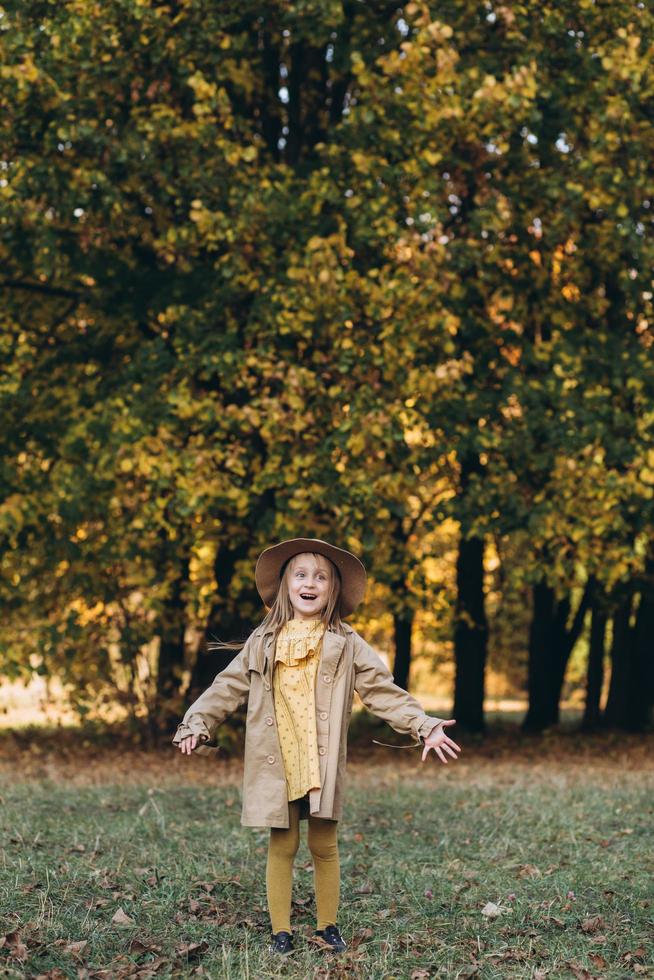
(309,582)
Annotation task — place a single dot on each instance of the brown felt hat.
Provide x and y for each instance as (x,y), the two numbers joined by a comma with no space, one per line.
(271,561)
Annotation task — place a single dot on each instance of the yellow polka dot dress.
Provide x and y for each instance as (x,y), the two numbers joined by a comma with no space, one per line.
(297,654)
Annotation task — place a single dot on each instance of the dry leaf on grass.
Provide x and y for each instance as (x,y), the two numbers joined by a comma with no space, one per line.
(319,942)
(121,918)
(360,937)
(140,946)
(491,910)
(190,950)
(592,923)
(13,942)
(510,956)
(528,871)
(636,954)
(580,972)
(559,923)
(71,948)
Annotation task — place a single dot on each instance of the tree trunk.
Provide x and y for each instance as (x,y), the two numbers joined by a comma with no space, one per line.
(539,714)
(550,646)
(595,675)
(470,636)
(171,654)
(641,680)
(617,704)
(565,640)
(231,618)
(402,629)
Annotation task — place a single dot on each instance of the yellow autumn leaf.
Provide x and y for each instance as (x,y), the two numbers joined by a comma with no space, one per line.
(432,157)
(571,292)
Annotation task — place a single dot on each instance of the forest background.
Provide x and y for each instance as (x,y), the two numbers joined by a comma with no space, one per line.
(374,273)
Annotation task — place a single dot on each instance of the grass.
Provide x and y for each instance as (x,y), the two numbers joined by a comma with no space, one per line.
(525,858)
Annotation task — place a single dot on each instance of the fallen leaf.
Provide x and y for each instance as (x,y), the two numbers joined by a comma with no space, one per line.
(139,946)
(580,972)
(12,940)
(592,924)
(491,910)
(190,950)
(72,948)
(528,871)
(597,961)
(121,918)
(629,956)
(559,923)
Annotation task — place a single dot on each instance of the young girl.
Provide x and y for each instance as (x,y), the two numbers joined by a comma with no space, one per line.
(298,671)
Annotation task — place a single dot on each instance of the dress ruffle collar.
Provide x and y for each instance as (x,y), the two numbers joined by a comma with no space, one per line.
(297,639)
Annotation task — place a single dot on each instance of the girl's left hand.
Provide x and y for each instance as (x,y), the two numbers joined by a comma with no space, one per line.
(440,742)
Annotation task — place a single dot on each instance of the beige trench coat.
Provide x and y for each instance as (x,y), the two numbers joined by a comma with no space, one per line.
(347,664)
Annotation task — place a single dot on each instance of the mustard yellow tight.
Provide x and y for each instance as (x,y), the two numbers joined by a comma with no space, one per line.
(282,848)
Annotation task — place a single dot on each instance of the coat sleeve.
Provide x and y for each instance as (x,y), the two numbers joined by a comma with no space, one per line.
(227,692)
(374,684)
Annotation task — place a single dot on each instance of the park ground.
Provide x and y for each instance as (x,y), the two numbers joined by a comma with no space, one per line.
(527,857)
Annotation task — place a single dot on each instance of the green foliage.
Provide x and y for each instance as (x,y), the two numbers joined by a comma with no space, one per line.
(281,270)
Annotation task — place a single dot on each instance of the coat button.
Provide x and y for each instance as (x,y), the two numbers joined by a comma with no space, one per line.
(327,679)
(271,759)
(322,750)
(269,721)
(266,685)
(323,715)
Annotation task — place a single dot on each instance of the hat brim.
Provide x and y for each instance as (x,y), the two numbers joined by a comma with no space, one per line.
(271,561)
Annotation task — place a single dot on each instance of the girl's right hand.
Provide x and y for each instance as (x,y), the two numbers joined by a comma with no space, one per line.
(188,744)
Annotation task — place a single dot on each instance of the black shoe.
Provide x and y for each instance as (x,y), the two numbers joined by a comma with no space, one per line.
(331,935)
(282,942)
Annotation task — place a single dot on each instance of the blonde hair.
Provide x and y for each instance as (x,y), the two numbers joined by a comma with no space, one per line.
(282,610)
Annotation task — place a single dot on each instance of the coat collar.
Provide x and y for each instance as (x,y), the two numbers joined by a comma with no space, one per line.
(332,646)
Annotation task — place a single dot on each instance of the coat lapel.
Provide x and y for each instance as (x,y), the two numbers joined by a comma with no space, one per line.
(332,648)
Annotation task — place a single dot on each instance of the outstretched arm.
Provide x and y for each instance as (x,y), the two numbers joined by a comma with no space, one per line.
(228,691)
(375,686)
